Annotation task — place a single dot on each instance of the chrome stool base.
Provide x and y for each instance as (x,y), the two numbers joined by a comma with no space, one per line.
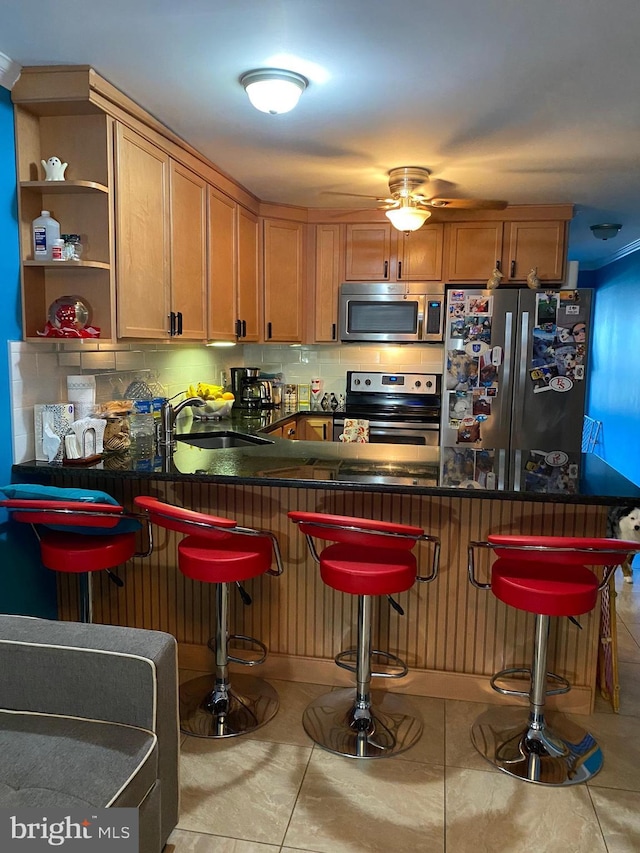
(394,724)
(251,702)
(558,755)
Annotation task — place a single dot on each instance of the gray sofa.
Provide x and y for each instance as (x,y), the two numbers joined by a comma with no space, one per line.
(88,716)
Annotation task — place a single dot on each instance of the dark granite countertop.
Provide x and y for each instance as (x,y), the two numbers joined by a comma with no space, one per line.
(402,469)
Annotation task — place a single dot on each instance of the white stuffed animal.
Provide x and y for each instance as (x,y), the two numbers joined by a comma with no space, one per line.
(54,169)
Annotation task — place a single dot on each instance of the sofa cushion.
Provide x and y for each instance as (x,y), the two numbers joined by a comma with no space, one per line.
(60,761)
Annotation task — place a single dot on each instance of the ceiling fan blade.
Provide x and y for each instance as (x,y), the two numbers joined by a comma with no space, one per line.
(467,203)
(355,195)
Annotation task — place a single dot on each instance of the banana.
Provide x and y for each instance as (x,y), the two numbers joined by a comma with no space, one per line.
(206,391)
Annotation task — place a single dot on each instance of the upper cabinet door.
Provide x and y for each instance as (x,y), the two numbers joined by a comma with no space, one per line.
(368,252)
(142,235)
(248,295)
(328,255)
(420,254)
(536,245)
(283,280)
(474,250)
(188,251)
(221,314)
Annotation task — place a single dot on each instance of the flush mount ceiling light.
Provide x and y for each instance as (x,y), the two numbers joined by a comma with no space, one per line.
(272,90)
(605,231)
(407,217)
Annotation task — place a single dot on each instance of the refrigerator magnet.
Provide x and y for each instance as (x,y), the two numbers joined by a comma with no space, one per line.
(468,431)
(479,304)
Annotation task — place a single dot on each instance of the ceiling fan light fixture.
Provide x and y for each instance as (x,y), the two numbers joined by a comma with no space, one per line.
(273,90)
(407,217)
(605,231)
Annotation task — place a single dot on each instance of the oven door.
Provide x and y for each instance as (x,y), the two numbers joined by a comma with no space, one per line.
(385,432)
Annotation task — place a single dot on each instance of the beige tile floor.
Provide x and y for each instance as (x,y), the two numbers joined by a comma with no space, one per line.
(275,791)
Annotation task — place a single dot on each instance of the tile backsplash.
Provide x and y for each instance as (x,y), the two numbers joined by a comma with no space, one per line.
(39,371)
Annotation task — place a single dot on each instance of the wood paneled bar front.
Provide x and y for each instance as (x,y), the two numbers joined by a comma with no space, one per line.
(452,636)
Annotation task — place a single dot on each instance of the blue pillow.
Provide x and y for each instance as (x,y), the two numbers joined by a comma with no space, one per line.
(34,492)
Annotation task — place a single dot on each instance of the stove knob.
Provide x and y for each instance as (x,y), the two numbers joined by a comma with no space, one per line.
(367,382)
(418,383)
(429,384)
(356,381)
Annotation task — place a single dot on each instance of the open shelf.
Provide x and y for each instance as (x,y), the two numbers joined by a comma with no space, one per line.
(98,265)
(64,186)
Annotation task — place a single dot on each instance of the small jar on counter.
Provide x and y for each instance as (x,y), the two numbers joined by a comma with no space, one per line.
(72,247)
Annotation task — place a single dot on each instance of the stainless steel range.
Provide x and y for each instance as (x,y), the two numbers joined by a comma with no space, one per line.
(402,408)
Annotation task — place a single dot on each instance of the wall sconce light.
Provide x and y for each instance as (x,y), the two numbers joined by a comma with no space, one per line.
(407,217)
(605,231)
(272,90)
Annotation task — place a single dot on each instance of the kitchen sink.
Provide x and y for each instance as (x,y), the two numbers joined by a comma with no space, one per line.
(222,439)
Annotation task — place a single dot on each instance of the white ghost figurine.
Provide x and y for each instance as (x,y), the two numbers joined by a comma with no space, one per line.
(54,169)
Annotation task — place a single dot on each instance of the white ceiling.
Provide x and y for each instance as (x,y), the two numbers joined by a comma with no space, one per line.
(533,102)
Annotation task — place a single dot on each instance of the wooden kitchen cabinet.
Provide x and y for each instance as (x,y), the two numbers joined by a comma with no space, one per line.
(317,428)
(233,282)
(368,252)
(81,204)
(161,233)
(283,271)
(474,250)
(420,254)
(540,245)
(329,246)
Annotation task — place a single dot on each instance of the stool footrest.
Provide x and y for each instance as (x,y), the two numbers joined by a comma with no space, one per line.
(341,660)
(252,640)
(564,687)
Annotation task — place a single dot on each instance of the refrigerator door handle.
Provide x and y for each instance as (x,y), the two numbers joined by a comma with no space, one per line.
(508,348)
(522,378)
(517,471)
(502,456)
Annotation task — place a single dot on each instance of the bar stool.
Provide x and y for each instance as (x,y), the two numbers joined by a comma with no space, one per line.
(219,551)
(548,576)
(368,558)
(93,542)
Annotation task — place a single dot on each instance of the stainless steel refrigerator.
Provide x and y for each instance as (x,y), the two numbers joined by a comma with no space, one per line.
(514,382)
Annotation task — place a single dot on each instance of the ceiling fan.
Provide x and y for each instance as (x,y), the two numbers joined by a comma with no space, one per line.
(408,208)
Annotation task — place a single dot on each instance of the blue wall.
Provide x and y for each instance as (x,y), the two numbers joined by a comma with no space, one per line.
(614,384)
(25,586)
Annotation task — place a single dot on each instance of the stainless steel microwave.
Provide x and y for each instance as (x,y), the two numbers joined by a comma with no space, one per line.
(403,313)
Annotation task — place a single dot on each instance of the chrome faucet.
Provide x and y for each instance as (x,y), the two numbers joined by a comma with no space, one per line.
(168,414)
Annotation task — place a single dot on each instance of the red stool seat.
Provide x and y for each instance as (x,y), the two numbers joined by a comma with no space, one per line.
(68,552)
(237,558)
(548,588)
(218,551)
(367,571)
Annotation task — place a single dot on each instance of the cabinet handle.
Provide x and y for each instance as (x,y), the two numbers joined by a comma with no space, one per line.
(399,269)
(324,432)
(499,265)
(268,331)
(291,431)
(513,269)
(238,328)
(179,332)
(172,323)
(386,269)
(244,328)
(333,332)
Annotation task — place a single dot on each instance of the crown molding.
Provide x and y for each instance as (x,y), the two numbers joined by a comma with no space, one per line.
(9,71)
(597,264)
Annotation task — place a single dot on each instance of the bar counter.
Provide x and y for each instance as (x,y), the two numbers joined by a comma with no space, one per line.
(452,636)
(392,469)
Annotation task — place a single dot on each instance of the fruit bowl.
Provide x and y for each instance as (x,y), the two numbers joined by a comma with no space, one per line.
(212,410)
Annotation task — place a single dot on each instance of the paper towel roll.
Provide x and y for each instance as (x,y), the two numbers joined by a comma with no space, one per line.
(81,389)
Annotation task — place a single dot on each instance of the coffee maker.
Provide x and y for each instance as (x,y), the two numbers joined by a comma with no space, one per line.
(250,391)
